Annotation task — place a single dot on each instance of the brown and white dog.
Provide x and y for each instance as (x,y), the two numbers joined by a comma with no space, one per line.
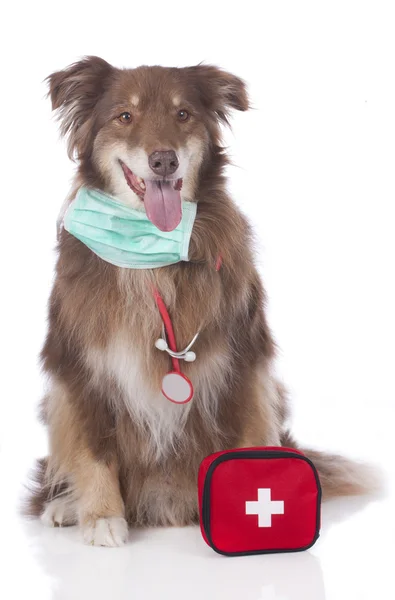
(119,451)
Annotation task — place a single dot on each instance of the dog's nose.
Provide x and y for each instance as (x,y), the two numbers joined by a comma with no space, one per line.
(163,162)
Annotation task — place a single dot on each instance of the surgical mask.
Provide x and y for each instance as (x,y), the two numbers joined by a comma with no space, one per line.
(125,237)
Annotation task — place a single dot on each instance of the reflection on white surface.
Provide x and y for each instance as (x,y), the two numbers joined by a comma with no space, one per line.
(168,563)
(269,593)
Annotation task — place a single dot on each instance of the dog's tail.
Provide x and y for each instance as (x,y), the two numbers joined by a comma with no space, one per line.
(40,491)
(339,476)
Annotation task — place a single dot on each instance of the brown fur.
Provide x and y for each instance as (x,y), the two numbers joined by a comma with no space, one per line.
(103,458)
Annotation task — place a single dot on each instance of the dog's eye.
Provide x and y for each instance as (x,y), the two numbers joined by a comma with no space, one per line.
(183,115)
(125,117)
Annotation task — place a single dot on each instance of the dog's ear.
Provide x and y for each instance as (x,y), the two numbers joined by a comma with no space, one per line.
(74,93)
(219,91)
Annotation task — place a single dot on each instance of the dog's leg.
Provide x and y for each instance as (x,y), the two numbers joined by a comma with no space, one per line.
(267,412)
(92,488)
(100,506)
(59,512)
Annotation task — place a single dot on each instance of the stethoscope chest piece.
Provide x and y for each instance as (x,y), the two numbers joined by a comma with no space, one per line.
(177,388)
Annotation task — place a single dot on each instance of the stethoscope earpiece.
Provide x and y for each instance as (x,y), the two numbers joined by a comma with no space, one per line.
(185,354)
(161,344)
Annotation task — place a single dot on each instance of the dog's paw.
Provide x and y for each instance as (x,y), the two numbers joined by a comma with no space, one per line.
(58,513)
(109,531)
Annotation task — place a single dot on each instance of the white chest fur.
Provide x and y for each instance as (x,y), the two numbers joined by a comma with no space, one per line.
(121,363)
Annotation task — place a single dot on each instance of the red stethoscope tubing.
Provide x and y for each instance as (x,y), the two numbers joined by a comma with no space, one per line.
(171,338)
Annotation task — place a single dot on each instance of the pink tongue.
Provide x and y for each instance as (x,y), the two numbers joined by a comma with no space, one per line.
(162,204)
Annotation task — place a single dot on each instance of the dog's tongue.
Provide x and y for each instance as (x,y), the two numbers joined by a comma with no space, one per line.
(162,204)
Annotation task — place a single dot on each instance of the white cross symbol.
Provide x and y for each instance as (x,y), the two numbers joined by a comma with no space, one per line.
(265,507)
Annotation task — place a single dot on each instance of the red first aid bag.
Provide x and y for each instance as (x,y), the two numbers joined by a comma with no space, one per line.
(259,500)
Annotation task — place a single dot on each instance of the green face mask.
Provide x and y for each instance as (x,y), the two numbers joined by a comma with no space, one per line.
(125,237)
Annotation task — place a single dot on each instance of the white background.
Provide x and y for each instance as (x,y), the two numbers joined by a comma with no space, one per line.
(315,173)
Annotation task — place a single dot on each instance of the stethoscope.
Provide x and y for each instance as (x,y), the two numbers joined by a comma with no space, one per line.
(176,386)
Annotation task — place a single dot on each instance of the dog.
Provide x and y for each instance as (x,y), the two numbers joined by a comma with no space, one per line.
(119,453)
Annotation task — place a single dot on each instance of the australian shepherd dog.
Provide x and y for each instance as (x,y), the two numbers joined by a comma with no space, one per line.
(119,452)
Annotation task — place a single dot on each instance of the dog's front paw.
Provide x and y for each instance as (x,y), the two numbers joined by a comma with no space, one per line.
(109,531)
(59,513)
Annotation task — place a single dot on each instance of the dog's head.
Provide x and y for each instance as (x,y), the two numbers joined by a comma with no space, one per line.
(144,134)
